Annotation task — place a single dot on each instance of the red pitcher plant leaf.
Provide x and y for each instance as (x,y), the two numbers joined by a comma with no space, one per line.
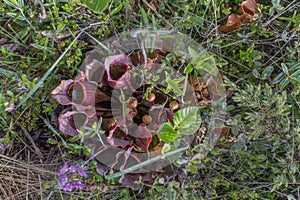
(116,142)
(117,69)
(143,137)
(139,58)
(61,92)
(129,180)
(78,92)
(70,121)
(119,122)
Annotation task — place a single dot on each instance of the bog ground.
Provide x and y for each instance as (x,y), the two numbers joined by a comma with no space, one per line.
(250,50)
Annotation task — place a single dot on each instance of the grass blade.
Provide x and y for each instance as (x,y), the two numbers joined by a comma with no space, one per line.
(52,129)
(6,72)
(101,44)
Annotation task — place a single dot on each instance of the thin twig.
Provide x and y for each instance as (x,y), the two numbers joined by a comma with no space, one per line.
(37,150)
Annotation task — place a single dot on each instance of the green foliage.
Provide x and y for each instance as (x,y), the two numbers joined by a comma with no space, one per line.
(166,132)
(203,61)
(261,59)
(264,109)
(186,122)
(289,74)
(174,84)
(96,6)
(276,7)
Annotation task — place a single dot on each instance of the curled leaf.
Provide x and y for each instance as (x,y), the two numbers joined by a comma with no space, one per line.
(233,23)
(116,142)
(249,7)
(78,91)
(117,69)
(70,121)
(61,92)
(244,15)
(139,58)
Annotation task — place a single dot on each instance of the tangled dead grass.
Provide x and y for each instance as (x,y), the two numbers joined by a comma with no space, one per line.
(20,180)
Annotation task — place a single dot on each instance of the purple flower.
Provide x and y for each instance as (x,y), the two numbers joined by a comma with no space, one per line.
(81,171)
(63,169)
(69,186)
(63,176)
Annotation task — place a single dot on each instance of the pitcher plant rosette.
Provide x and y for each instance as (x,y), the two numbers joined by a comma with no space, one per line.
(154,92)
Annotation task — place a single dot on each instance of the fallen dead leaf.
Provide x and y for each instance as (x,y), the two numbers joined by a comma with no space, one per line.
(243,15)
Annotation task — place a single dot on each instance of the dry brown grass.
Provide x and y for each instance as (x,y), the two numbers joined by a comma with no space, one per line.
(20,180)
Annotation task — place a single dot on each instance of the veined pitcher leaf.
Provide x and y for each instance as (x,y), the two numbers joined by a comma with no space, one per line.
(187,120)
(166,132)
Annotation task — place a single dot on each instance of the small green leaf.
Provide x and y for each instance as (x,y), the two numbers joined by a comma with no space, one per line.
(181,161)
(283,84)
(75,138)
(192,53)
(278,78)
(187,120)
(208,67)
(255,73)
(196,20)
(144,17)
(75,146)
(296,79)
(96,5)
(174,84)
(284,68)
(230,108)
(188,69)
(117,9)
(192,168)
(51,141)
(235,129)
(166,132)
(267,72)
(159,188)
(164,150)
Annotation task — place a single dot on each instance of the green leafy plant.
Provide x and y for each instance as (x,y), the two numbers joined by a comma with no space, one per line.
(186,122)
(289,74)
(96,6)
(265,111)
(203,61)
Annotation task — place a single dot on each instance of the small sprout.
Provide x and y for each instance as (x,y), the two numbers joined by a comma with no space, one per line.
(173,105)
(133,103)
(147,119)
(151,97)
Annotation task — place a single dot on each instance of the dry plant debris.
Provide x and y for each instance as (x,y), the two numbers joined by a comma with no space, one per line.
(244,15)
